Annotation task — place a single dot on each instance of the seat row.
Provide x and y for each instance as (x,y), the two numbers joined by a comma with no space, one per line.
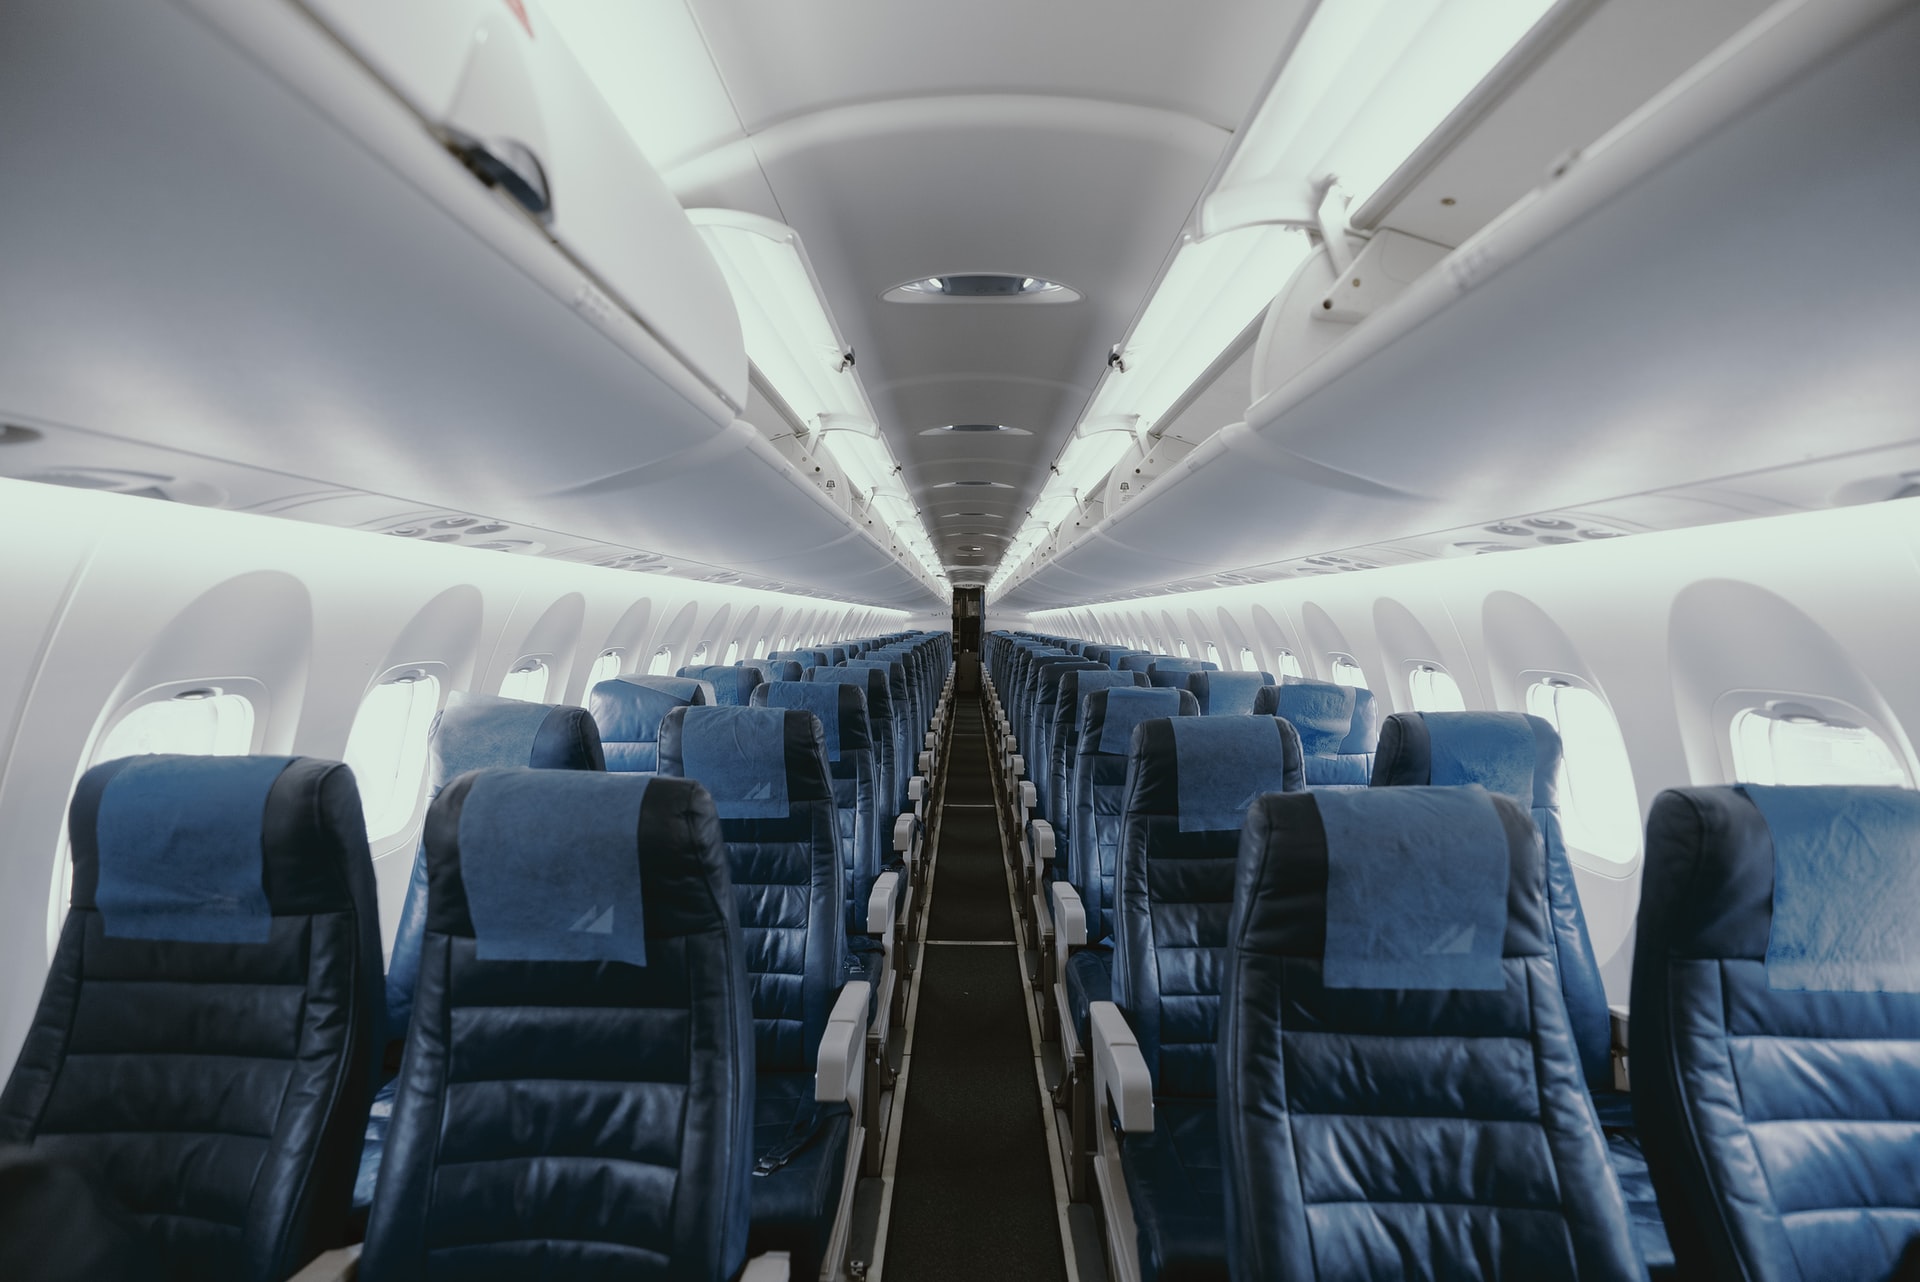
(1237,1111)
(637,1014)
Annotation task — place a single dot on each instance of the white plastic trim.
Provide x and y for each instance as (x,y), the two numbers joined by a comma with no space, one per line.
(342,1265)
(774,1266)
(1119,1070)
(1028,797)
(883,905)
(903,832)
(843,1047)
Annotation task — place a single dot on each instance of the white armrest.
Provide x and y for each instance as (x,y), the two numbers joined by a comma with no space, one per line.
(1017,766)
(1041,841)
(903,833)
(1119,1071)
(916,789)
(1028,797)
(883,905)
(1009,744)
(1069,916)
(926,763)
(933,740)
(774,1266)
(843,1046)
(1620,1024)
(342,1265)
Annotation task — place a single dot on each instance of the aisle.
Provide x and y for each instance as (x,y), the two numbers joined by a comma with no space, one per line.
(973,1194)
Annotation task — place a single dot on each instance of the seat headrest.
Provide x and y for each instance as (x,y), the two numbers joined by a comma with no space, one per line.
(1365,736)
(870,678)
(211,849)
(1504,752)
(758,763)
(731,684)
(1393,888)
(1818,882)
(1076,685)
(475,731)
(1227,694)
(774,669)
(1208,770)
(840,705)
(653,847)
(630,709)
(1109,716)
(1172,673)
(1138,661)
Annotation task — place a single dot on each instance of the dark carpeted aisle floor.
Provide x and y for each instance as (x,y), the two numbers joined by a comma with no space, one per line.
(973,1196)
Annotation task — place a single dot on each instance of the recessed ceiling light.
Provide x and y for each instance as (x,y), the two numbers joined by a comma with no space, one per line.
(996,485)
(975,287)
(976,427)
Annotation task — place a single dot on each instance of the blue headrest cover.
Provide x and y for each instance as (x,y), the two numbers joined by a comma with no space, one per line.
(1365,735)
(1225,762)
(775,669)
(629,709)
(1227,694)
(1416,889)
(1127,708)
(1846,879)
(821,698)
(1077,684)
(1501,751)
(732,685)
(550,861)
(1320,710)
(180,855)
(1134,661)
(740,755)
(1182,665)
(476,731)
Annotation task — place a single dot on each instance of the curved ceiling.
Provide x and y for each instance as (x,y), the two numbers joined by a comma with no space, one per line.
(1067,141)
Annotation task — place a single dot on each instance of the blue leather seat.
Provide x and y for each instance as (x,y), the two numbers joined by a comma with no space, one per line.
(1338,756)
(1043,692)
(767,771)
(1173,673)
(1228,693)
(732,683)
(848,735)
(1189,783)
(472,732)
(205,1045)
(1393,1107)
(1069,703)
(629,710)
(1776,1030)
(1140,661)
(774,669)
(899,750)
(575,1101)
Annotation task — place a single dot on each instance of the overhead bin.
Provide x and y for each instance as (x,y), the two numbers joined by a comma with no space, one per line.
(1657,317)
(503,91)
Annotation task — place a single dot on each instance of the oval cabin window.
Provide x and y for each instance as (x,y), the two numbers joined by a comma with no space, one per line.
(387,750)
(1783,744)
(1599,809)
(1432,689)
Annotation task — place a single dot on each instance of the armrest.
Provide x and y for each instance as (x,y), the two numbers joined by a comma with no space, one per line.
(1029,799)
(933,739)
(1119,1070)
(883,906)
(843,1045)
(1040,842)
(1009,744)
(342,1265)
(1017,766)
(926,764)
(1620,1025)
(903,833)
(774,1266)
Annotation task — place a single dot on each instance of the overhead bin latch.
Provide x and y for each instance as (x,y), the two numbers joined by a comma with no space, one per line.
(510,166)
(1330,211)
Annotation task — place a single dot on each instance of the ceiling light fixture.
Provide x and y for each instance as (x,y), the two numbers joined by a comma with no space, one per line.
(794,344)
(977,287)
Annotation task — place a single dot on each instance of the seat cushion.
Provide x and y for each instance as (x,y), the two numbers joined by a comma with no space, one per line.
(1636,1184)
(378,1119)
(1173,1181)
(1089,979)
(793,1206)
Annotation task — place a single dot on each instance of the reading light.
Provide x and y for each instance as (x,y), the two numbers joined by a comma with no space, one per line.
(794,344)
(1368,82)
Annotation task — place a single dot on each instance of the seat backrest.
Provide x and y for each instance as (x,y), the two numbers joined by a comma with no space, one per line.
(1227,694)
(841,707)
(1776,1030)
(207,1035)
(1139,661)
(629,710)
(732,683)
(1518,756)
(1172,673)
(767,771)
(1108,718)
(886,709)
(473,732)
(774,669)
(1338,724)
(1069,700)
(1043,687)
(1400,1095)
(580,1042)
(1190,780)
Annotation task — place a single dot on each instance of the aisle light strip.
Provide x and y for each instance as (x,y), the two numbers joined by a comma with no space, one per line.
(792,341)
(1367,84)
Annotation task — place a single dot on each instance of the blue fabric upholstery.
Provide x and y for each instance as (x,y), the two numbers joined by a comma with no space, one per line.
(1042,695)
(1845,885)
(1075,686)
(1173,893)
(1126,709)
(1223,765)
(877,679)
(732,683)
(1089,979)
(1519,756)
(1782,1126)
(628,711)
(1228,694)
(789,891)
(1416,890)
(1172,674)
(739,755)
(1337,724)
(1099,788)
(1141,662)
(574,1119)
(774,669)
(850,759)
(1394,1133)
(215,1092)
